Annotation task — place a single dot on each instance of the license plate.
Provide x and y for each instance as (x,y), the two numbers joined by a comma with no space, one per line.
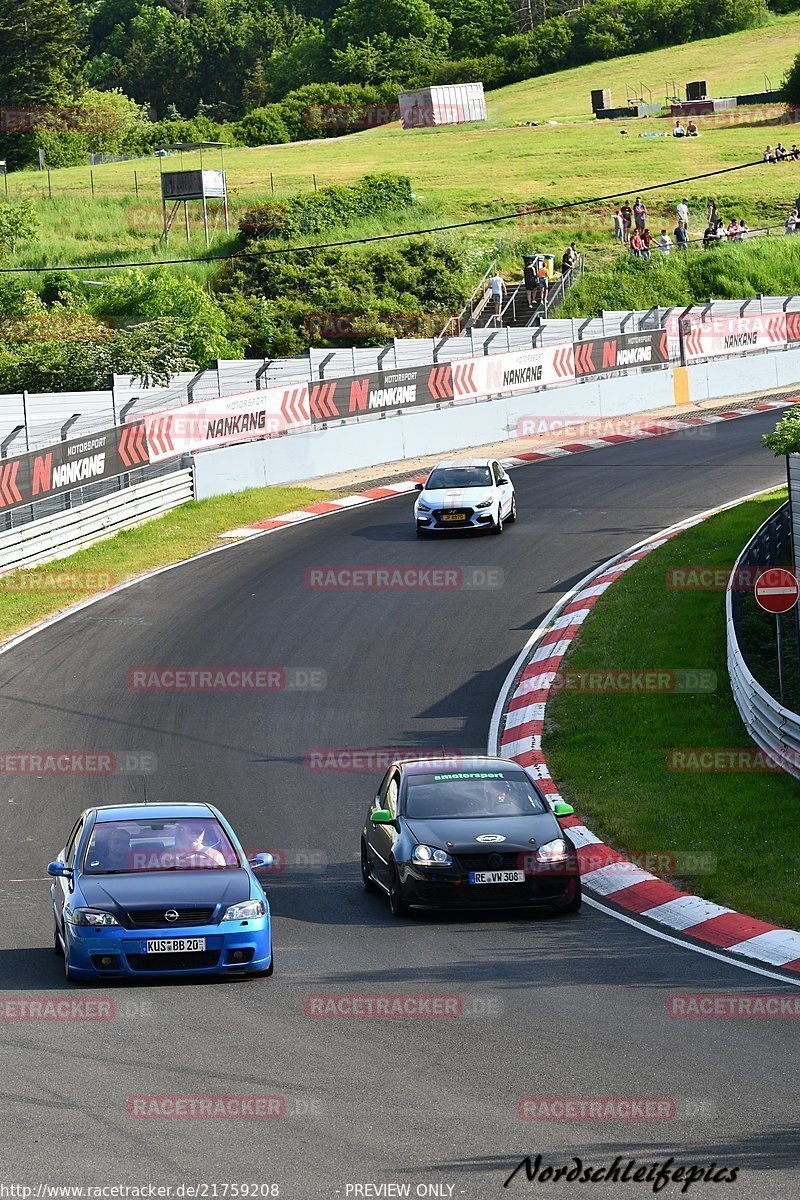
(452,517)
(174,945)
(497,876)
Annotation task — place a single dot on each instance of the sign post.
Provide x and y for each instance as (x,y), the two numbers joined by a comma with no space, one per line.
(777,591)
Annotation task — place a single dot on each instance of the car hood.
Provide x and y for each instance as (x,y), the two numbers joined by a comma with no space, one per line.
(173,889)
(455,497)
(459,836)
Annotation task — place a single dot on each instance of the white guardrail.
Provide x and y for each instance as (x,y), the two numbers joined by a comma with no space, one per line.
(771,726)
(65,532)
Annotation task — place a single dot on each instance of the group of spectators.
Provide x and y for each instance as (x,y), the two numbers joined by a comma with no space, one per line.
(716,231)
(689,131)
(631,229)
(781,154)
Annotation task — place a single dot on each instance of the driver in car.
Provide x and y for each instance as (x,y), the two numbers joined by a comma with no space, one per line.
(498,798)
(189,844)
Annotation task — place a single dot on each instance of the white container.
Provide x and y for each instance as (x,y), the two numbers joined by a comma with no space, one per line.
(447,104)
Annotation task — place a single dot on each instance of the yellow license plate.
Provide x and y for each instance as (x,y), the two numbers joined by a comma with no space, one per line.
(452,517)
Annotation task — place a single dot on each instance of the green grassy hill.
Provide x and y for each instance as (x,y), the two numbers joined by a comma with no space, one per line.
(479,169)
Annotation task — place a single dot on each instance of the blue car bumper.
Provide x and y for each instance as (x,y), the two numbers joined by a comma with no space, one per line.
(231,948)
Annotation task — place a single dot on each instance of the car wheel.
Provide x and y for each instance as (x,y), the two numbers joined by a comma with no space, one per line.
(396,903)
(57,947)
(366,877)
(512,516)
(497,527)
(573,905)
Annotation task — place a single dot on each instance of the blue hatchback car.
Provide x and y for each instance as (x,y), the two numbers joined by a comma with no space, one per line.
(158,889)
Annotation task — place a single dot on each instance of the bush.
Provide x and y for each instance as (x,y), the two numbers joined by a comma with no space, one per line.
(791,83)
(313,212)
(263,127)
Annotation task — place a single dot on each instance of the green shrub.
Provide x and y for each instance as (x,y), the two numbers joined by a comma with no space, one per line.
(313,212)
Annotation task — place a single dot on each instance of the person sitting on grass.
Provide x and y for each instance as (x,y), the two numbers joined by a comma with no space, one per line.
(678,130)
(794,152)
(769,155)
(710,233)
(691,130)
(781,153)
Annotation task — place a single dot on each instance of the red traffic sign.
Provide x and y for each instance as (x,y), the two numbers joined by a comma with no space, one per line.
(777,590)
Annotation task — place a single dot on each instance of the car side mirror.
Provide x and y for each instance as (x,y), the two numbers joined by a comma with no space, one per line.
(419,487)
(261,860)
(562,809)
(59,868)
(504,479)
(381,816)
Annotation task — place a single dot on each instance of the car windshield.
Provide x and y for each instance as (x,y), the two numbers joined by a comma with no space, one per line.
(182,844)
(471,794)
(459,477)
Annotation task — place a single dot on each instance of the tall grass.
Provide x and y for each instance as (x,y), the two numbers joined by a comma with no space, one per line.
(768,266)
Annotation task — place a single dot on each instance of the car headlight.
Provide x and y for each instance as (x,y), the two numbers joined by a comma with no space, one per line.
(485,504)
(428,856)
(553,852)
(245,910)
(422,507)
(90,916)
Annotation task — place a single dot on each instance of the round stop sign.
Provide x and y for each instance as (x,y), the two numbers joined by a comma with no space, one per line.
(777,590)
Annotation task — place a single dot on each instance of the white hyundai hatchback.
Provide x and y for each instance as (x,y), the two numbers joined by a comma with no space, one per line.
(470,494)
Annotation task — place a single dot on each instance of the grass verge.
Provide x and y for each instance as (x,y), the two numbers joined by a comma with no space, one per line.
(608,752)
(30,595)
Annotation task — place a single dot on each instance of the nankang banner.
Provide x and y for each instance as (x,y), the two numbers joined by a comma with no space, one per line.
(239,418)
(67,465)
(620,352)
(721,336)
(379,391)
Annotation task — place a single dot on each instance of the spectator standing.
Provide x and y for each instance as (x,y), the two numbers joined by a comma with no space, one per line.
(618,230)
(637,245)
(665,242)
(681,236)
(640,213)
(682,212)
(712,213)
(743,229)
(543,281)
(499,290)
(529,277)
(791,221)
(570,257)
(627,220)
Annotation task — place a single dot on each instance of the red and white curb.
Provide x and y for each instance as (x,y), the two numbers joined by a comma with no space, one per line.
(606,873)
(663,428)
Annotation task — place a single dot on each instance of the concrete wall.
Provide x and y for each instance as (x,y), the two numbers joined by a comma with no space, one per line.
(436,431)
(410,434)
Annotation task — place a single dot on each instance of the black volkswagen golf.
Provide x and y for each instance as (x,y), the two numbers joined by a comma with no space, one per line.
(476,835)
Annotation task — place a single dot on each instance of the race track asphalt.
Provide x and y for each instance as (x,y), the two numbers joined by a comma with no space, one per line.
(551,1007)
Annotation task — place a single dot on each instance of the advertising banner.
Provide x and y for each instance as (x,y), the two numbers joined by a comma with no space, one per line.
(725,335)
(67,465)
(520,371)
(224,419)
(620,352)
(379,391)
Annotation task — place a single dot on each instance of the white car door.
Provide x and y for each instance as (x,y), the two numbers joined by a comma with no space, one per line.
(504,488)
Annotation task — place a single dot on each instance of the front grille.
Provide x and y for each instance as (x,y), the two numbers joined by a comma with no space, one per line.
(154,918)
(173,962)
(509,860)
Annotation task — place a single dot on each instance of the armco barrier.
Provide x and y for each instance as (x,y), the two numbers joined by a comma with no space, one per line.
(62,534)
(771,726)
